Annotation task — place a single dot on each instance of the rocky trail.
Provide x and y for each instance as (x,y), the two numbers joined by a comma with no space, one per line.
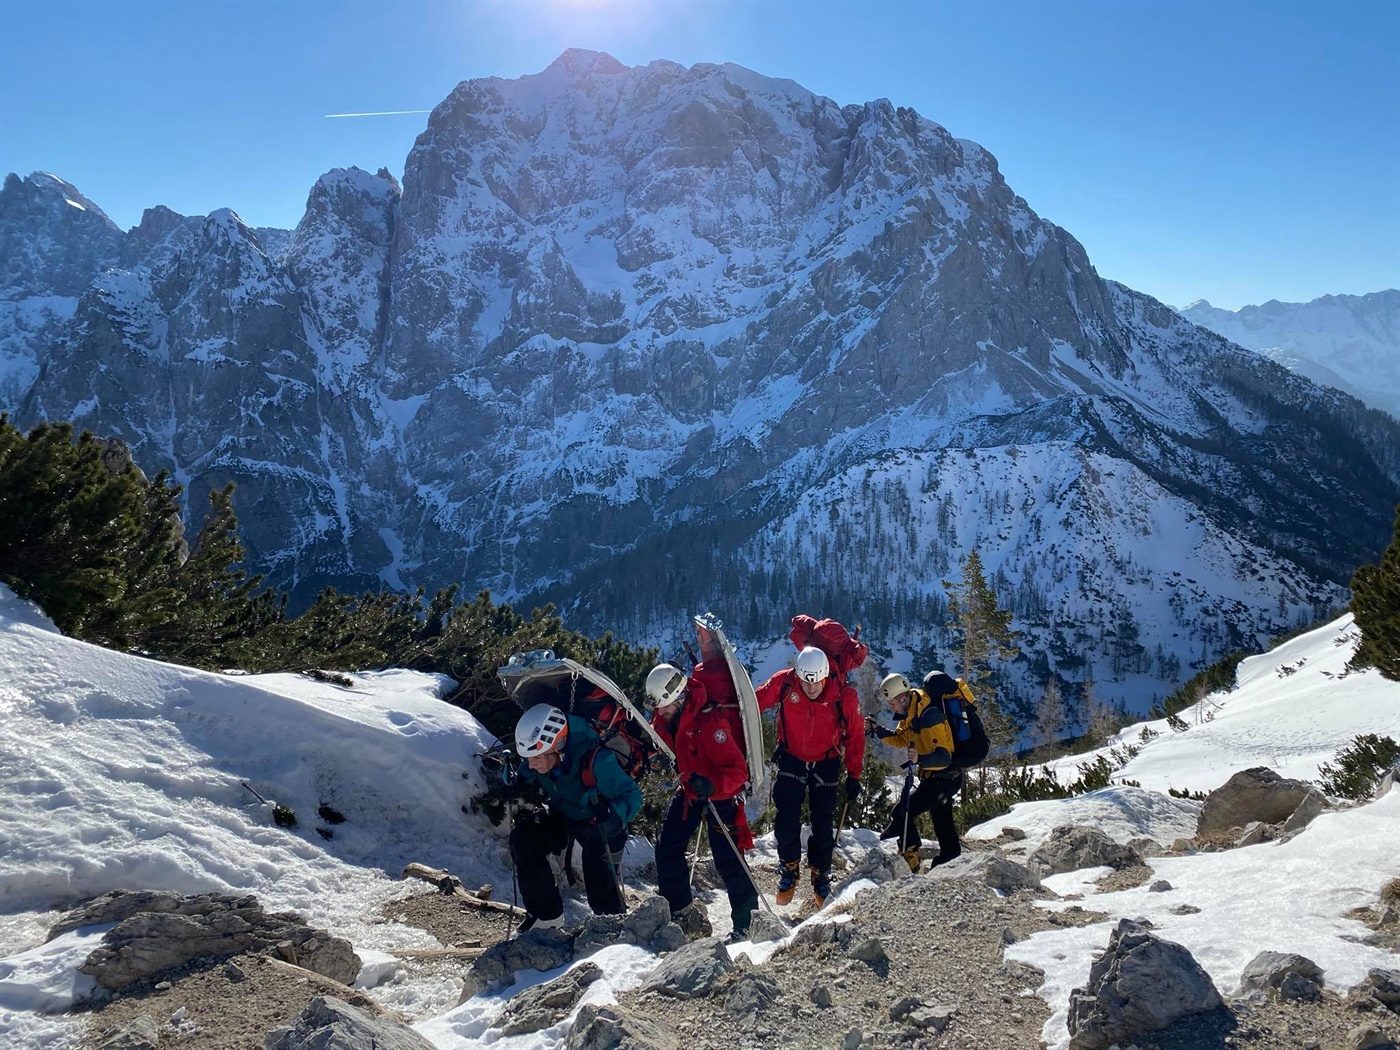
(912,960)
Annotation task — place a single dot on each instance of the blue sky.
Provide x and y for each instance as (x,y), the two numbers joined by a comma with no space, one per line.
(1231,151)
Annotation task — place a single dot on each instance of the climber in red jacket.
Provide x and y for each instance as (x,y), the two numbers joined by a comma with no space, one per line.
(707,738)
(819,729)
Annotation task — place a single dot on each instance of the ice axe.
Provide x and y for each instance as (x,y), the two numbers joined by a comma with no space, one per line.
(282,815)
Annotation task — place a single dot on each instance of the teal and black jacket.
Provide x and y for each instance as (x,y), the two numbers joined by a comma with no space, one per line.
(567,787)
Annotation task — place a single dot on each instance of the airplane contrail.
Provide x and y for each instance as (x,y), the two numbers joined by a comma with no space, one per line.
(382,113)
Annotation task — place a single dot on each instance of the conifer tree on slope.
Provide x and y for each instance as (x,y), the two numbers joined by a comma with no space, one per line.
(69,526)
(1375,601)
(983,633)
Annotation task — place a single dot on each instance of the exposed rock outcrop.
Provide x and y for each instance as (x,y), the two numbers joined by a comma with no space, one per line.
(159,931)
(1070,848)
(1291,976)
(1140,984)
(330,1024)
(1256,794)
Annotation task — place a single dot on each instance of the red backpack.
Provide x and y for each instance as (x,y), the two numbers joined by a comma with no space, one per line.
(843,650)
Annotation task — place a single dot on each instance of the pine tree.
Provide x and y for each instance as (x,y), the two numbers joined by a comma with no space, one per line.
(1050,713)
(152,594)
(982,631)
(68,523)
(1375,601)
(218,613)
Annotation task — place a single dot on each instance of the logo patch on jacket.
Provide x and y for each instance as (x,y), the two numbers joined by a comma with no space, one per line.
(721,736)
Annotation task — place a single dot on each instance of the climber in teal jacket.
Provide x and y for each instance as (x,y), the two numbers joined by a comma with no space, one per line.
(591,800)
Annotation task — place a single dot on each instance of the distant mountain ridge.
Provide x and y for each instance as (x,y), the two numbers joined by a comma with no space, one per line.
(651,340)
(1351,342)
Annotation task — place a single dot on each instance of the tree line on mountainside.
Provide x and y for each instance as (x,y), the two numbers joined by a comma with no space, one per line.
(101,548)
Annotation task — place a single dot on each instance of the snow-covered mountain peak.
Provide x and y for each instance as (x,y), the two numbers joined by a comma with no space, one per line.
(580,61)
(46,185)
(356,180)
(1350,342)
(614,314)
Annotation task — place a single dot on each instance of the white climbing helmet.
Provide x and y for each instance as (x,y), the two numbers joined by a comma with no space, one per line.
(892,685)
(665,684)
(812,665)
(541,729)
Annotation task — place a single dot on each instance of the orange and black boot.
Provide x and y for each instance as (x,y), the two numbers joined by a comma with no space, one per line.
(787,882)
(821,886)
(912,858)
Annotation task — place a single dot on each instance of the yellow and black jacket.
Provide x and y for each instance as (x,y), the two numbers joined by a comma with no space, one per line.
(925,727)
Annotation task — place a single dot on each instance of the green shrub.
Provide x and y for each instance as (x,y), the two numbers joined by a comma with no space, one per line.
(1196,796)
(1219,675)
(1375,601)
(1359,767)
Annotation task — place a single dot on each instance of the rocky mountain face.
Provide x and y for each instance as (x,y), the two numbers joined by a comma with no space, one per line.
(1351,342)
(645,341)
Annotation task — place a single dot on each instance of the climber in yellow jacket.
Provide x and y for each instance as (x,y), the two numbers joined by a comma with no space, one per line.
(924,732)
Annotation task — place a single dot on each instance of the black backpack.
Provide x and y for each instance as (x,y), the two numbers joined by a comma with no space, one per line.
(954,698)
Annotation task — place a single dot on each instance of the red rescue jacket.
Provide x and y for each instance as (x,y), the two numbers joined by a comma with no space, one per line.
(811,730)
(707,739)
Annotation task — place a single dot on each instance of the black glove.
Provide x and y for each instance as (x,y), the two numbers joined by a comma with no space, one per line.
(852,787)
(701,787)
(874,728)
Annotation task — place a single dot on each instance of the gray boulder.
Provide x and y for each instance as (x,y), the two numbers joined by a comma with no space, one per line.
(690,972)
(1072,847)
(991,869)
(879,867)
(1255,833)
(750,996)
(1290,976)
(765,926)
(140,1033)
(159,932)
(869,950)
(1312,807)
(547,1005)
(1251,794)
(613,1028)
(531,950)
(331,1024)
(640,926)
(1380,990)
(1140,984)
(1366,1037)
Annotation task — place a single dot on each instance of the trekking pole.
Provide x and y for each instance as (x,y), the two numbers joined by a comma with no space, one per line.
(908,805)
(742,862)
(613,867)
(695,852)
(514,877)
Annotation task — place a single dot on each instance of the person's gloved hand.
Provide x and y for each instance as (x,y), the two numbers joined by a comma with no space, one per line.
(701,787)
(612,827)
(852,787)
(874,728)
